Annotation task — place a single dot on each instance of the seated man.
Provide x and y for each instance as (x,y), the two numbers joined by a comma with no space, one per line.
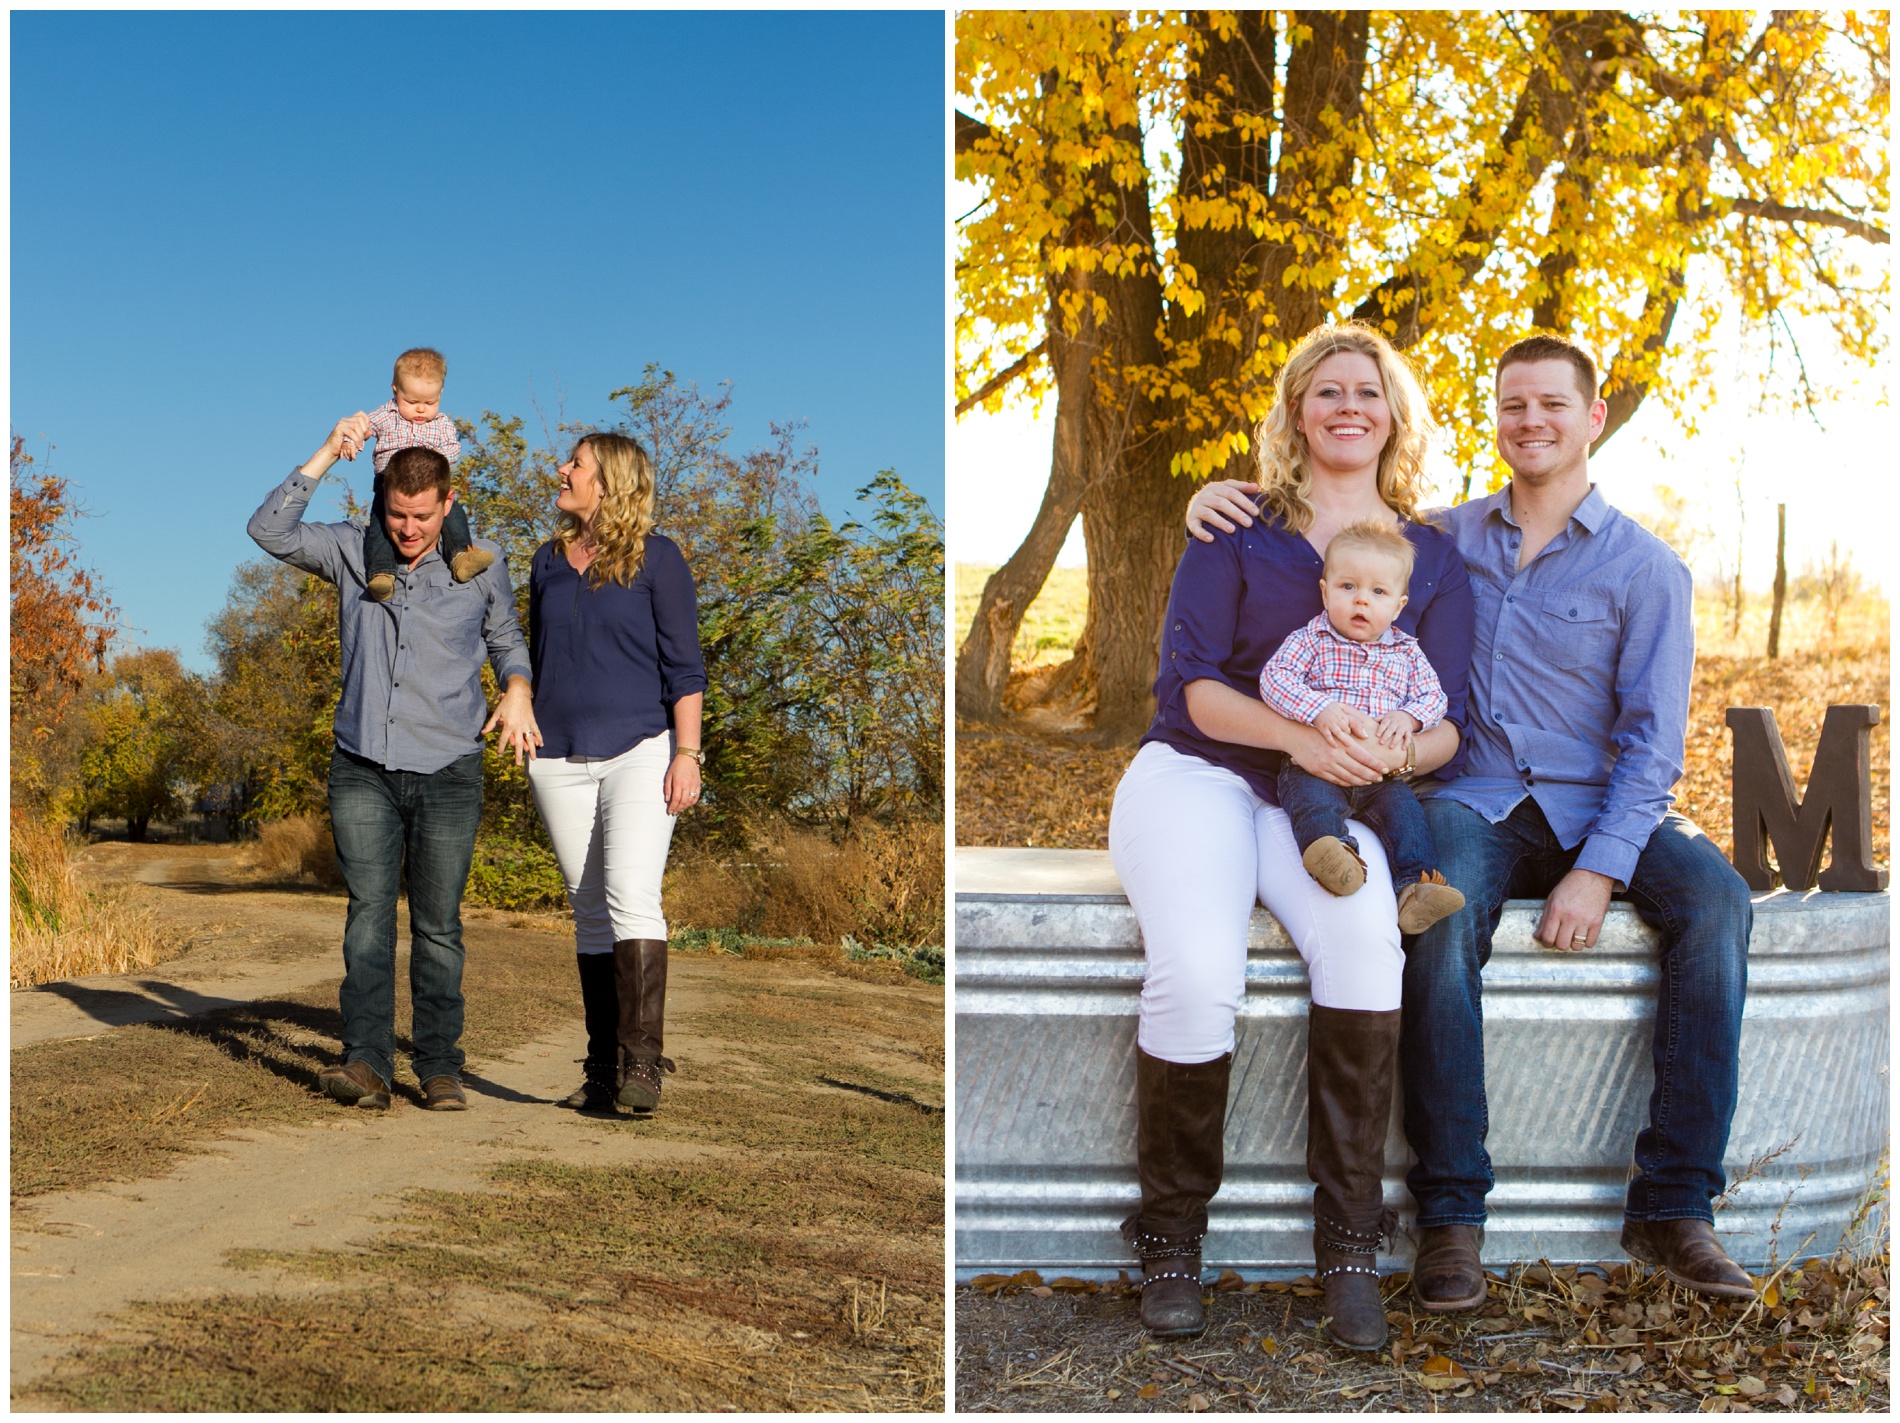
(1580,679)
(406,776)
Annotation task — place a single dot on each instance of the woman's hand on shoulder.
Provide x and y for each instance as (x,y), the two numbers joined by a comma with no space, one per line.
(1222,505)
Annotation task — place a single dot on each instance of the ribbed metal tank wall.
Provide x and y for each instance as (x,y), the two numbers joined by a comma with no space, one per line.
(1048,968)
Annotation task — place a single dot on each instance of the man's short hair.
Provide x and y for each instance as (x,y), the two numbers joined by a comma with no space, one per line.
(1555,348)
(421,363)
(416,469)
(1375,536)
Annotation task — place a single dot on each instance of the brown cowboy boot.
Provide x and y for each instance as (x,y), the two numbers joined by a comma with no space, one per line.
(1181,1112)
(1350,1057)
(1688,1252)
(640,995)
(600,1010)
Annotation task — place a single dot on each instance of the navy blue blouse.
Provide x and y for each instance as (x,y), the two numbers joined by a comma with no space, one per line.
(609,662)
(1235,600)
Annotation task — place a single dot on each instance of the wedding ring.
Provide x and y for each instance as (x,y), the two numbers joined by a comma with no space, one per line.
(1579,938)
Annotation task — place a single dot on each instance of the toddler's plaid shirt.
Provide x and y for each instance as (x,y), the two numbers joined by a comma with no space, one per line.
(1316,667)
(395,433)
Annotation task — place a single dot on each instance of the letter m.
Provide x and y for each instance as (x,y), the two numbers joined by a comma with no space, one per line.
(1840,793)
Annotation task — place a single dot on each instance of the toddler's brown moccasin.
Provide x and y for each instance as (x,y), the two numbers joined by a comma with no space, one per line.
(1423,904)
(1335,864)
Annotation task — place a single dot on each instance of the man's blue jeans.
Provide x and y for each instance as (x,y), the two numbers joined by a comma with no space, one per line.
(1681,885)
(387,822)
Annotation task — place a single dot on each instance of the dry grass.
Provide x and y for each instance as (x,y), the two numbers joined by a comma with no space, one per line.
(1052,623)
(299,850)
(61,927)
(1618,1339)
(880,884)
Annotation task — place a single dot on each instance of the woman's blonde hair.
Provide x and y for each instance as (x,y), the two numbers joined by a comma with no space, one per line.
(1286,481)
(625,516)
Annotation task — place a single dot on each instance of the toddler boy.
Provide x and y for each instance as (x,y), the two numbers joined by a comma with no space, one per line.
(414,417)
(1349,673)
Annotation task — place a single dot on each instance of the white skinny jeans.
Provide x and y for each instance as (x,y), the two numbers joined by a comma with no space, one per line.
(607,818)
(1194,846)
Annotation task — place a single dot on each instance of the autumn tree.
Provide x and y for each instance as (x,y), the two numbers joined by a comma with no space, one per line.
(150,742)
(276,687)
(1170,200)
(60,625)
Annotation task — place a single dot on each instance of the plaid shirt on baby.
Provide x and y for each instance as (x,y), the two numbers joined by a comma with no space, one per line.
(394,433)
(1316,667)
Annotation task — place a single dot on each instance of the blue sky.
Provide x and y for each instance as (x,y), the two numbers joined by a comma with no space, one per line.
(225,226)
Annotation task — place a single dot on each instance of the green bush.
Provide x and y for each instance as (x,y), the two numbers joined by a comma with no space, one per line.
(515,874)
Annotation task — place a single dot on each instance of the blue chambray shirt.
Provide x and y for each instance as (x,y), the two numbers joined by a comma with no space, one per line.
(1580,672)
(412,667)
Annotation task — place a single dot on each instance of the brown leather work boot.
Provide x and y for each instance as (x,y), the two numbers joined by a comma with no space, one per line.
(1350,1055)
(443,1093)
(1446,1275)
(640,997)
(1180,1115)
(355,1084)
(1689,1254)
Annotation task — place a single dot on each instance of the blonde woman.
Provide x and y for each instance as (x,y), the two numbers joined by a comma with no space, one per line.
(1197,832)
(618,686)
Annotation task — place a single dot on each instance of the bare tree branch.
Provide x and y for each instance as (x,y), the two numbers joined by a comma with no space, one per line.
(1002,378)
(1782,212)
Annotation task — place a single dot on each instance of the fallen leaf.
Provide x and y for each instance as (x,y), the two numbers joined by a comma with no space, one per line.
(1147,1390)
(1042,1292)
(1439,1364)
(1785,1396)
(1197,1403)
(1268,1346)
(1751,1386)
(1229,1280)
(1771,1296)
(1025,1277)
(990,1284)
(1114,1393)
(1072,1285)
(1437,1383)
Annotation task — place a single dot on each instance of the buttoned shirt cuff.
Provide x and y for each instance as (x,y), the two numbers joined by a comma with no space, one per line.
(516,669)
(1608,855)
(1429,713)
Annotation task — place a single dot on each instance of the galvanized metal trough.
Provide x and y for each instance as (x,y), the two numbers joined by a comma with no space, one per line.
(1049,965)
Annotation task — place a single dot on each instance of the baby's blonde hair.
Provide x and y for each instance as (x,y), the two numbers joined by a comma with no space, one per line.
(421,363)
(626,509)
(1376,537)
(1286,483)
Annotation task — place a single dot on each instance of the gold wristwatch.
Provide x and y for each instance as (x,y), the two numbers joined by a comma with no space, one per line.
(697,753)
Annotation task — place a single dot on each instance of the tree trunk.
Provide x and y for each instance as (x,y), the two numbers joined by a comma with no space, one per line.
(1781,580)
(135,827)
(983,660)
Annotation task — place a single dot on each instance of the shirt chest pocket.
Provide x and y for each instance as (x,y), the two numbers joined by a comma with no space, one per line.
(1579,631)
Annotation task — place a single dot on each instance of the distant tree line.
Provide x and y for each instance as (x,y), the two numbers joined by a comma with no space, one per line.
(823,646)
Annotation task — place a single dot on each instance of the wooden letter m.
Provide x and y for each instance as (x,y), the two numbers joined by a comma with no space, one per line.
(1840,792)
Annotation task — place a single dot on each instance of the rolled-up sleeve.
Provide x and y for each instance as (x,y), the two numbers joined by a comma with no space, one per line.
(501,629)
(1203,611)
(279,529)
(676,624)
(1654,669)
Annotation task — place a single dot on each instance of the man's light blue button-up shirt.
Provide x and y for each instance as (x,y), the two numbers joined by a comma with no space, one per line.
(412,667)
(1580,673)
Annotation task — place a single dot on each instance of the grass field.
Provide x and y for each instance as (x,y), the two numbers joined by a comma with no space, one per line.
(1016,787)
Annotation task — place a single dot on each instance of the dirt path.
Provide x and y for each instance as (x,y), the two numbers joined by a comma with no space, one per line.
(82,1256)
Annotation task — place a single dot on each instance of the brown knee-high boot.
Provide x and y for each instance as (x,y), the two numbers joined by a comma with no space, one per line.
(640,987)
(1181,1111)
(601,1012)
(1350,1057)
